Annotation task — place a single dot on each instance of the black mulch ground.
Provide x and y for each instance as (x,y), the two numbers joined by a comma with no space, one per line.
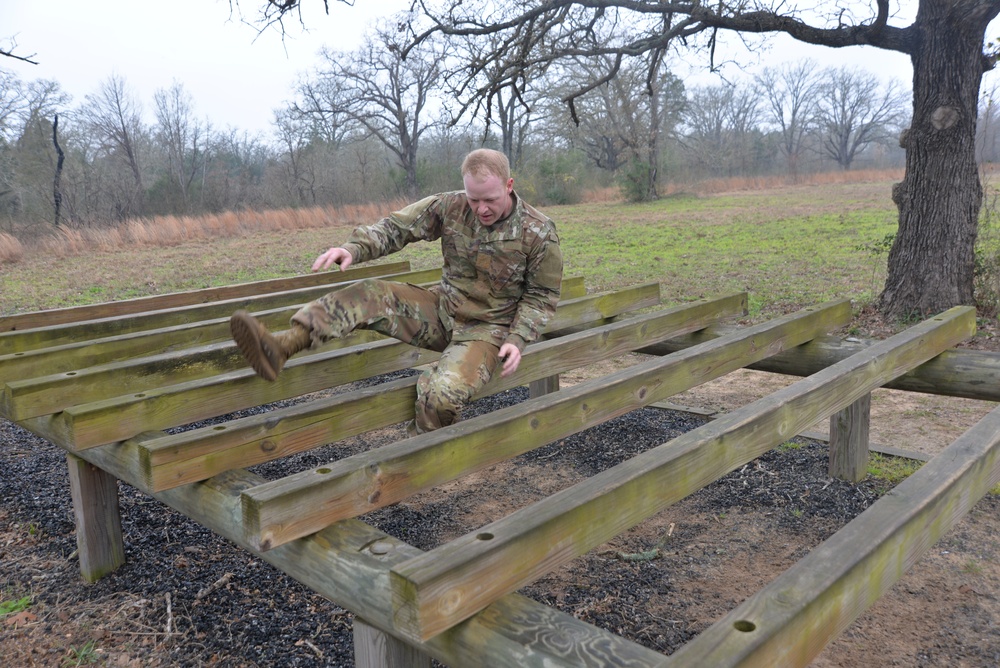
(256,615)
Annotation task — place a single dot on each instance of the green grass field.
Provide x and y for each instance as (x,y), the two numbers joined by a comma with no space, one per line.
(788,247)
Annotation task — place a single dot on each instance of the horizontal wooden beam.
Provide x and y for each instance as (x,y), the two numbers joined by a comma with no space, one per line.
(440,588)
(192,338)
(46,394)
(62,316)
(961,372)
(94,352)
(349,565)
(299,504)
(43,337)
(115,419)
(175,459)
(788,622)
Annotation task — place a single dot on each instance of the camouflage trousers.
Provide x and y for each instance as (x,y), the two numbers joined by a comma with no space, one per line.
(410,314)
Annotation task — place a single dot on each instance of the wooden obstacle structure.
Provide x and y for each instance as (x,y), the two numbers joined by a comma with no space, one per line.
(107,382)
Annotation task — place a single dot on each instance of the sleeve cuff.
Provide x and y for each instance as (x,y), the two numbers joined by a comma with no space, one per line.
(517,341)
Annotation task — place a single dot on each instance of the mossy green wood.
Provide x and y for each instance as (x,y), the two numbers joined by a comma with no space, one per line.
(118,418)
(191,337)
(341,565)
(299,504)
(61,316)
(99,543)
(788,622)
(964,373)
(42,337)
(52,393)
(47,380)
(88,353)
(122,417)
(197,454)
(439,589)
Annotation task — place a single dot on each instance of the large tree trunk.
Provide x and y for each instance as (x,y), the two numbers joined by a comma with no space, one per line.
(931,262)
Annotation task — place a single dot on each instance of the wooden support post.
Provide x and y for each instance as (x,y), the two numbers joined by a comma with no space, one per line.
(543,386)
(374,648)
(98,523)
(849,440)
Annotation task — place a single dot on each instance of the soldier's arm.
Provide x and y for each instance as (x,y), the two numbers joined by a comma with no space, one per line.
(417,222)
(537,305)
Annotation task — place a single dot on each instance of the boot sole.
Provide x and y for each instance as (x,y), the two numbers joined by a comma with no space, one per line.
(247,335)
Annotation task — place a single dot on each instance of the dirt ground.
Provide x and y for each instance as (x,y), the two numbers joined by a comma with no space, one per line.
(186,598)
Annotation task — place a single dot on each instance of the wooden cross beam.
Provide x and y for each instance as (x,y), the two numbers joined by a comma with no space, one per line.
(42,337)
(299,504)
(197,454)
(72,314)
(440,588)
(789,621)
(120,417)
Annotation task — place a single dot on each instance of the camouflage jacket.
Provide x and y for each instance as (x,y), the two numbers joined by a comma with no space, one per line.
(499,283)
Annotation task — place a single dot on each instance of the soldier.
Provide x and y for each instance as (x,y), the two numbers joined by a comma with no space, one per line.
(499,286)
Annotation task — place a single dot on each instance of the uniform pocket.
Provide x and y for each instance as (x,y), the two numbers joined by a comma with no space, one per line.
(506,271)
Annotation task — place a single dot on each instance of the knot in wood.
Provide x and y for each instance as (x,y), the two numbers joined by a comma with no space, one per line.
(944,117)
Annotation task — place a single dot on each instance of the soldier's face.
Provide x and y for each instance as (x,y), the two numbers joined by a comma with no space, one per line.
(488,196)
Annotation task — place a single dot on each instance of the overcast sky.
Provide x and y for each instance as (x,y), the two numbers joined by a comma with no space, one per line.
(235,77)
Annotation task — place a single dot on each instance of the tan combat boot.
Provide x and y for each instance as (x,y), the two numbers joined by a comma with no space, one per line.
(264,351)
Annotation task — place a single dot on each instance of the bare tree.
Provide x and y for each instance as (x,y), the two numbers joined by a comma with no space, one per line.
(789,94)
(382,92)
(623,121)
(931,264)
(722,131)
(853,110)
(183,138)
(114,115)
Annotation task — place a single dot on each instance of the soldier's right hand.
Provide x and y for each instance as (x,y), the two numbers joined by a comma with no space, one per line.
(339,256)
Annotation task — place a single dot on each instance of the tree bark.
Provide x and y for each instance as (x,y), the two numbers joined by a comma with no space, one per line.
(931,262)
(57,178)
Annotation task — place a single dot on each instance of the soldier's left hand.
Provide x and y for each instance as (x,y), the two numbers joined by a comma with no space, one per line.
(512,358)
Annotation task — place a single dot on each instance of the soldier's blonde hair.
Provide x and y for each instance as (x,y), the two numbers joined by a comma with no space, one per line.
(484,161)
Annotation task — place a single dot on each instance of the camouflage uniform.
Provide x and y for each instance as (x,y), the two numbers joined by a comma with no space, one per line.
(499,284)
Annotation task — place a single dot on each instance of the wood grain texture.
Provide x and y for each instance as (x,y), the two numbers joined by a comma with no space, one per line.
(62,316)
(299,504)
(340,564)
(788,622)
(196,454)
(448,584)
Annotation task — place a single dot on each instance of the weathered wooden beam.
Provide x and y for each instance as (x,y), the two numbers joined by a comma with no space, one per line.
(93,352)
(299,504)
(98,523)
(968,374)
(788,622)
(374,648)
(193,338)
(46,394)
(440,588)
(62,316)
(42,337)
(118,418)
(349,563)
(849,440)
(169,460)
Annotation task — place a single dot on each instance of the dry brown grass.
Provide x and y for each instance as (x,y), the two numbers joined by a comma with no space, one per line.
(163,231)
(166,231)
(750,183)
(743,183)
(11,249)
